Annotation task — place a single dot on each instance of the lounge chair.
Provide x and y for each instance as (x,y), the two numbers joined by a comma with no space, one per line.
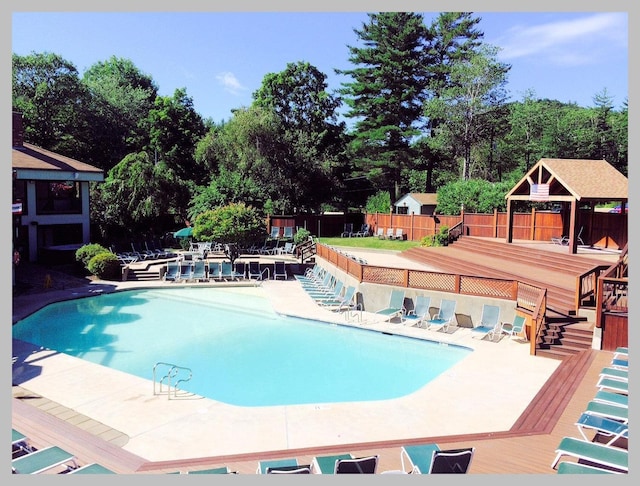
(615,373)
(186,271)
(357,465)
(380,233)
(399,234)
(611,398)
(613,412)
(287,232)
(445,316)
(92,468)
(593,452)
(560,240)
(621,352)
(226,271)
(214,270)
(328,295)
(452,461)
(621,364)
(365,230)
(348,230)
(240,270)
(287,249)
(276,463)
(490,325)
(515,327)
(43,460)
(568,467)
(418,458)
(323,287)
(301,469)
(173,272)
(275,232)
(389,234)
(395,307)
(419,313)
(215,470)
(610,384)
(20,443)
(199,271)
(327,464)
(254,271)
(280,270)
(603,426)
(341,302)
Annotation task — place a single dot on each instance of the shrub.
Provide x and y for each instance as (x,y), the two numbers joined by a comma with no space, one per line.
(301,236)
(439,239)
(105,266)
(85,253)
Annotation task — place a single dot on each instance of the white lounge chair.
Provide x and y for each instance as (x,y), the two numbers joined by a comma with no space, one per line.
(445,316)
(395,307)
(490,325)
(516,327)
(43,460)
(603,426)
(417,315)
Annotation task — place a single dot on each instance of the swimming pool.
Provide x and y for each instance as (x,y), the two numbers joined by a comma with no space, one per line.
(240,351)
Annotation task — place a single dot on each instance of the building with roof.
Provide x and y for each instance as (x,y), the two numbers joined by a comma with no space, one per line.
(577,185)
(50,198)
(417,203)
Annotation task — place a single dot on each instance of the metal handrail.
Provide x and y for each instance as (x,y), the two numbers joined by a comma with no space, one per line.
(173,372)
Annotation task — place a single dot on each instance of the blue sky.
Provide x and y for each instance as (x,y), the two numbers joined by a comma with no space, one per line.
(222,57)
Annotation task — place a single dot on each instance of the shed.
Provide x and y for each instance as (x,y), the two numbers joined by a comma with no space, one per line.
(417,203)
(570,182)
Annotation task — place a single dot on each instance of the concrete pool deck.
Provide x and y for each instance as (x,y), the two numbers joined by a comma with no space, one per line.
(485,392)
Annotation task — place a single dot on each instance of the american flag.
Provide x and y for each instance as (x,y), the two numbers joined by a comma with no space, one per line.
(539,192)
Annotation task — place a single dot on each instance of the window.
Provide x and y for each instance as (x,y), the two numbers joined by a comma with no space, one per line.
(58,197)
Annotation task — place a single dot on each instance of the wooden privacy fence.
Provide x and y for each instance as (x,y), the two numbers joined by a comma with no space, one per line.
(529,298)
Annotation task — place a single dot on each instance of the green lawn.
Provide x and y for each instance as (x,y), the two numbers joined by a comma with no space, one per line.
(372,242)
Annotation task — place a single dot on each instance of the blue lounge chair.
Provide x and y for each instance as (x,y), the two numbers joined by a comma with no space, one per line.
(593,452)
(621,364)
(490,325)
(516,327)
(199,271)
(395,307)
(348,231)
(186,271)
(328,294)
(445,316)
(288,232)
(275,232)
(240,270)
(93,468)
(279,270)
(43,460)
(603,426)
(276,463)
(417,315)
(341,302)
(226,271)
(173,272)
(214,270)
(327,464)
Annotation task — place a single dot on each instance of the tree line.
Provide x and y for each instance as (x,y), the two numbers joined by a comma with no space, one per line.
(428,105)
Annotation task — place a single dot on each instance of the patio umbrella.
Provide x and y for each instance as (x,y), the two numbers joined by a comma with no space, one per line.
(184,232)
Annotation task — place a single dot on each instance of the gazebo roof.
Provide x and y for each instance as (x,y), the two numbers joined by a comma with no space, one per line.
(572,179)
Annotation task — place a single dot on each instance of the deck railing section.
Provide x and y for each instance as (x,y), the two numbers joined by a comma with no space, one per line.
(530,300)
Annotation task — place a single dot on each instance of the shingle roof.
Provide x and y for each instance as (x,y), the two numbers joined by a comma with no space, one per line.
(581,178)
(425,197)
(32,157)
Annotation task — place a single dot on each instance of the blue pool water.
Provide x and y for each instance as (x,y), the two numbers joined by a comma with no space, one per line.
(239,350)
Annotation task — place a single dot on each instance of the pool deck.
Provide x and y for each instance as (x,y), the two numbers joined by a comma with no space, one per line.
(481,394)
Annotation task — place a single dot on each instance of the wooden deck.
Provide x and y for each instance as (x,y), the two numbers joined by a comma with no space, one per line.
(527,448)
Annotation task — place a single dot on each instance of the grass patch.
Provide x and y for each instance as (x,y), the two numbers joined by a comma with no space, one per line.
(371,242)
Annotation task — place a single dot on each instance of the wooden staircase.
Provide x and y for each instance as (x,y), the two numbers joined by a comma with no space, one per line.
(565,333)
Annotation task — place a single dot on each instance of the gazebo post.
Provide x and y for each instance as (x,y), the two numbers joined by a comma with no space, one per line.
(573,240)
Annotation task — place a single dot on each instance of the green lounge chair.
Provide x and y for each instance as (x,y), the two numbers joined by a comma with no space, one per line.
(395,307)
(566,467)
(621,352)
(445,316)
(92,468)
(43,460)
(611,398)
(613,412)
(593,452)
(19,443)
(516,327)
(419,458)
(215,470)
(490,325)
(327,464)
(615,373)
(610,384)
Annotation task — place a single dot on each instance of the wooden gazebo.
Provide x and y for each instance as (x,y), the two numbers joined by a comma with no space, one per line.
(574,182)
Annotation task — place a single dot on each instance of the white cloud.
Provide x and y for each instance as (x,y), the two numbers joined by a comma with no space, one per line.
(577,41)
(230,82)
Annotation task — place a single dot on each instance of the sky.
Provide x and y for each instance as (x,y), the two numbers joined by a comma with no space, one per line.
(221,57)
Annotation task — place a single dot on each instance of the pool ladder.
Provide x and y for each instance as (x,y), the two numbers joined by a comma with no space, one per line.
(174,374)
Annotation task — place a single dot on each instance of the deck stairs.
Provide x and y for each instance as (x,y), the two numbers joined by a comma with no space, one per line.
(565,332)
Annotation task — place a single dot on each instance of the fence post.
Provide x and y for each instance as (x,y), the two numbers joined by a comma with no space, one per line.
(532,227)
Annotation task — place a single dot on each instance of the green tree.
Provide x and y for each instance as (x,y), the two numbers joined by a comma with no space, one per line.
(386,96)
(121,99)
(379,203)
(476,91)
(474,195)
(47,90)
(235,226)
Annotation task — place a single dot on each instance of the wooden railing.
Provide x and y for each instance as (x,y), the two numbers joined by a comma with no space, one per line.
(530,300)
(612,296)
